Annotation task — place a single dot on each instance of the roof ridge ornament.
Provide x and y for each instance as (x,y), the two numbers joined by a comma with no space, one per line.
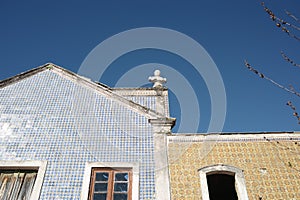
(157,80)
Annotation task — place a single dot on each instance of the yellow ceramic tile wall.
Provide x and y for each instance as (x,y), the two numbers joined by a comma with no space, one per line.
(271,168)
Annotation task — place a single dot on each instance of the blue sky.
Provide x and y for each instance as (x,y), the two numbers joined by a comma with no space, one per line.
(33,33)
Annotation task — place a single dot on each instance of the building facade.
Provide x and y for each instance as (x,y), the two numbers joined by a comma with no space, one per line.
(64,136)
(256,165)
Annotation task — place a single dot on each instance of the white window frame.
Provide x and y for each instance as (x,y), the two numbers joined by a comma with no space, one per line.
(29,165)
(238,174)
(88,170)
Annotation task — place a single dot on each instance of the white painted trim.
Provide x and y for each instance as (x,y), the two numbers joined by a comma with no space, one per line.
(161,127)
(162,177)
(234,137)
(138,91)
(240,184)
(38,165)
(87,176)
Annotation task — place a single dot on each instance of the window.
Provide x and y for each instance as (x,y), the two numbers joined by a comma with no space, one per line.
(110,181)
(221,186)
(222,182)
(16,184)
(21,179)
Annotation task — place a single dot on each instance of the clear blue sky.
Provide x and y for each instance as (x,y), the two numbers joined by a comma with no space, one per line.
(33,33)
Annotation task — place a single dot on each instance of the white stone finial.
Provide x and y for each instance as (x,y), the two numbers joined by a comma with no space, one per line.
(157,73)
(157,79)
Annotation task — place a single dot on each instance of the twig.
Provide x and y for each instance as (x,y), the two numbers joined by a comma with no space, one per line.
(269,79)
(280,23)
(295,113)
(292,16)
(289,60)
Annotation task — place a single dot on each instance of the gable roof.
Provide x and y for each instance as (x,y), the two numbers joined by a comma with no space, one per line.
(96,86)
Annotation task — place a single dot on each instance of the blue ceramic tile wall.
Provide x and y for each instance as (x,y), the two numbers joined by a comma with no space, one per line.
(48,117)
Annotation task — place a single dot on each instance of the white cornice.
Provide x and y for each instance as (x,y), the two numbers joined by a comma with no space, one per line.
(235,137)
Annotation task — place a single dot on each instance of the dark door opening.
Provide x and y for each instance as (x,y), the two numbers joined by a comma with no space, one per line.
(221,187)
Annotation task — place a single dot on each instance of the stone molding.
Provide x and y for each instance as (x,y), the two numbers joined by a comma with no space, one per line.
(234,137)
(238,174)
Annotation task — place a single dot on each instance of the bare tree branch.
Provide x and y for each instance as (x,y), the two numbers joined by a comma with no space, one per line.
(295,113)
(280,23)
(289,60)
(269,79)
(292,16)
